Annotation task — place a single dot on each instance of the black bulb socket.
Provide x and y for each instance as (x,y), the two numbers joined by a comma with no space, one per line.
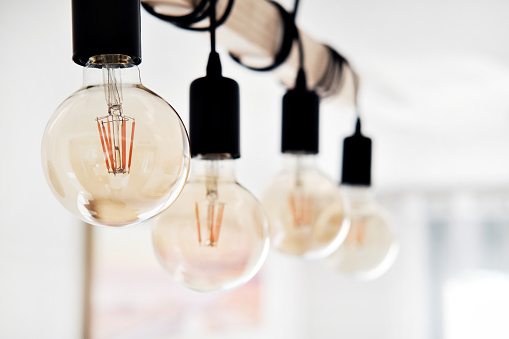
(356,168)
(214,124)
(106,27)
(300,124)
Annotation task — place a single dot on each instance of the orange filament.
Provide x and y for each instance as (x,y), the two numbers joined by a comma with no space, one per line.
(218,222)
(123,142)
(293,208)
(361,233)
(107,141)
(211,223)
(214,219)
(114,142)
(103,146)
(301,208)
(357,234)
(198,221)
(131,148)
(110,143)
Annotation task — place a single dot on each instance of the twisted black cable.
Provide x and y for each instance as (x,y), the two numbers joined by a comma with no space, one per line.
(213,25)
(295,8)
(297,36)
(290,31)
(201,12)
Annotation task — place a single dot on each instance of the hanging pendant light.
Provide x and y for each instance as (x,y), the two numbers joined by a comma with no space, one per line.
(114,153)
(306,210)
(215,236)
(370,248)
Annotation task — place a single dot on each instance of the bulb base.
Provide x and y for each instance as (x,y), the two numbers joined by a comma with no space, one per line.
(300,124)
(356,169)
(106,27)
(214,116)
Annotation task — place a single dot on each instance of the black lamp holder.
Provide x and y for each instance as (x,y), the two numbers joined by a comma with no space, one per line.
(214,107)
(106,27)
(300,124)
(356,159)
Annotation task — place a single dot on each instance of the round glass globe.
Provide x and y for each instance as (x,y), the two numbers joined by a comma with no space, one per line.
(114,153)
(370,248)
(306,210)
(215,236)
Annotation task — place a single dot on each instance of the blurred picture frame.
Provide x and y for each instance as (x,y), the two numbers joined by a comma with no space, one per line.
(128,295)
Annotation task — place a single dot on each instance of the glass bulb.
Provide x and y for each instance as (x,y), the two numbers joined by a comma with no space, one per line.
(370,248)
(306,210)
(215,236)
(114,153)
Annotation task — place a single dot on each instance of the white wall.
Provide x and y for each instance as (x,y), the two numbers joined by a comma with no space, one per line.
(40,247)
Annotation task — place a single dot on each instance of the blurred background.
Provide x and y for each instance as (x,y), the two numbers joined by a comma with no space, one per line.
(435,79)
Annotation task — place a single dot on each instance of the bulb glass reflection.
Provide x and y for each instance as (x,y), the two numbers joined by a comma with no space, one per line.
(215,236)
(114,153)
(306,210)
(370,248)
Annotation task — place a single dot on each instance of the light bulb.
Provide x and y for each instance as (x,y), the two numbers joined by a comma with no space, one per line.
(215,236)
(370,248)
(114,153)
(306,210)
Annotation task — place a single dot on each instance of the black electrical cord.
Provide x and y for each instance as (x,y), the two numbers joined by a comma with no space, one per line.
(201,12)
(295,8)
(214,109)
(301,80)
(213,25)
(204,9)
(214,63)
(297,35)
(290,34)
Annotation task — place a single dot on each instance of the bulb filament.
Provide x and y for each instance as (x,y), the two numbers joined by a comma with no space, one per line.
(212,214)
(113,128)
(301,208)
(299,201)
(209,212)
(113,134)
(357,234)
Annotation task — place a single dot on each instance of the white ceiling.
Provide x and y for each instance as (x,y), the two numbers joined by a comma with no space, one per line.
(435,84)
